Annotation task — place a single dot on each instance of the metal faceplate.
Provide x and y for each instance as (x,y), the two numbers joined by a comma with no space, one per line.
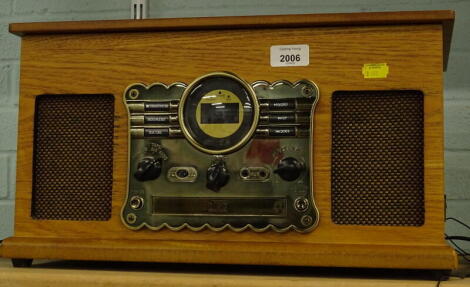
(255,197)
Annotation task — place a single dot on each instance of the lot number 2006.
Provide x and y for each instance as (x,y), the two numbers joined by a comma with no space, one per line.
(290,58)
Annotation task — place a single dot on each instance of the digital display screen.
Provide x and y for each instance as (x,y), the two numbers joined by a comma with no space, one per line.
(220,113)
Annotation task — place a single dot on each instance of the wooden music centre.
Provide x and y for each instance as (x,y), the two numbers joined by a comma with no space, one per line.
(306,140)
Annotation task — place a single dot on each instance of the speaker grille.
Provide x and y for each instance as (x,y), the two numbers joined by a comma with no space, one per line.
(377,158)
(73,157)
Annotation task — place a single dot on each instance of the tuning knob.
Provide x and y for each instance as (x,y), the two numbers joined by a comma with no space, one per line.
(148,168)
(217,176)
(289,169)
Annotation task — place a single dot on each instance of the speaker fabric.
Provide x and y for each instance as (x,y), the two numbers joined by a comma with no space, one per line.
(73,157)
(377,158)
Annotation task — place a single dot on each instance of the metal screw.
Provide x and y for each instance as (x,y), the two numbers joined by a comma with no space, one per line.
(131,218)
(301,204)
(136,202)
(306,220)
(307,91)
(133,94)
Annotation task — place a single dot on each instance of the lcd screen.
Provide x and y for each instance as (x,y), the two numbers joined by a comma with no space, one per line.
(220,113)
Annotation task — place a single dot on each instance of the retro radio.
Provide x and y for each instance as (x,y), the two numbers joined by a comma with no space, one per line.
(312,140)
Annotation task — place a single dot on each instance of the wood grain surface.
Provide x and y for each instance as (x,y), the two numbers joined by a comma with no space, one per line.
(441,17)
(71,274)
(108,63)
(230,252)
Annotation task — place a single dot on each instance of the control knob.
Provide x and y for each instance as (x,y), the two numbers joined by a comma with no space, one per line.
(148,168)
(217,176)
(289,169)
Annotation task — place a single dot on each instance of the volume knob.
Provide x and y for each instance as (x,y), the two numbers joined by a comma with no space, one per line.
(148,168)
(289,169)
(217,176)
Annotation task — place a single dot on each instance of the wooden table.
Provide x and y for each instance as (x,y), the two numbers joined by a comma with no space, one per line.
(73,273)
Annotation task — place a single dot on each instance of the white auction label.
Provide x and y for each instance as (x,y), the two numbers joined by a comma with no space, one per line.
(290,55)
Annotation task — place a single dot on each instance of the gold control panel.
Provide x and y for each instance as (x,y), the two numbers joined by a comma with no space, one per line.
(221,153)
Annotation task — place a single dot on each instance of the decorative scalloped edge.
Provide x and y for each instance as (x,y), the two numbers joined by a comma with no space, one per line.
(148,87)
(226,226)
(283,82)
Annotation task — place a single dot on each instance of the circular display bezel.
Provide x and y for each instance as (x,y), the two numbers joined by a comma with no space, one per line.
(242,133)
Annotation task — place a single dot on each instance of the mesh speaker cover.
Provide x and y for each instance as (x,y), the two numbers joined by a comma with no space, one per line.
(73,157)
(377,158)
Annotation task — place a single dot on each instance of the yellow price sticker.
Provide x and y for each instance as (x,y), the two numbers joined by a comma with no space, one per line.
(375,71)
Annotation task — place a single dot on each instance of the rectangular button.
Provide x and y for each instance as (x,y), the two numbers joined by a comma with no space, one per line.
(282,132)
(157,119)
(157,132)
(280,104)
(281,118)
(157,106)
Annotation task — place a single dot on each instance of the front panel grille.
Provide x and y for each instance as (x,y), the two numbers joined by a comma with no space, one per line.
(73,157)
(377,158)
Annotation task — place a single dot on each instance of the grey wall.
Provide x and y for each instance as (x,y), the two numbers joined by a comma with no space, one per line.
(457,78)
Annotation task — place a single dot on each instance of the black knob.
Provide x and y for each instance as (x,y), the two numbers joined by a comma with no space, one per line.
(289,169)
(148,168)
(217,176)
